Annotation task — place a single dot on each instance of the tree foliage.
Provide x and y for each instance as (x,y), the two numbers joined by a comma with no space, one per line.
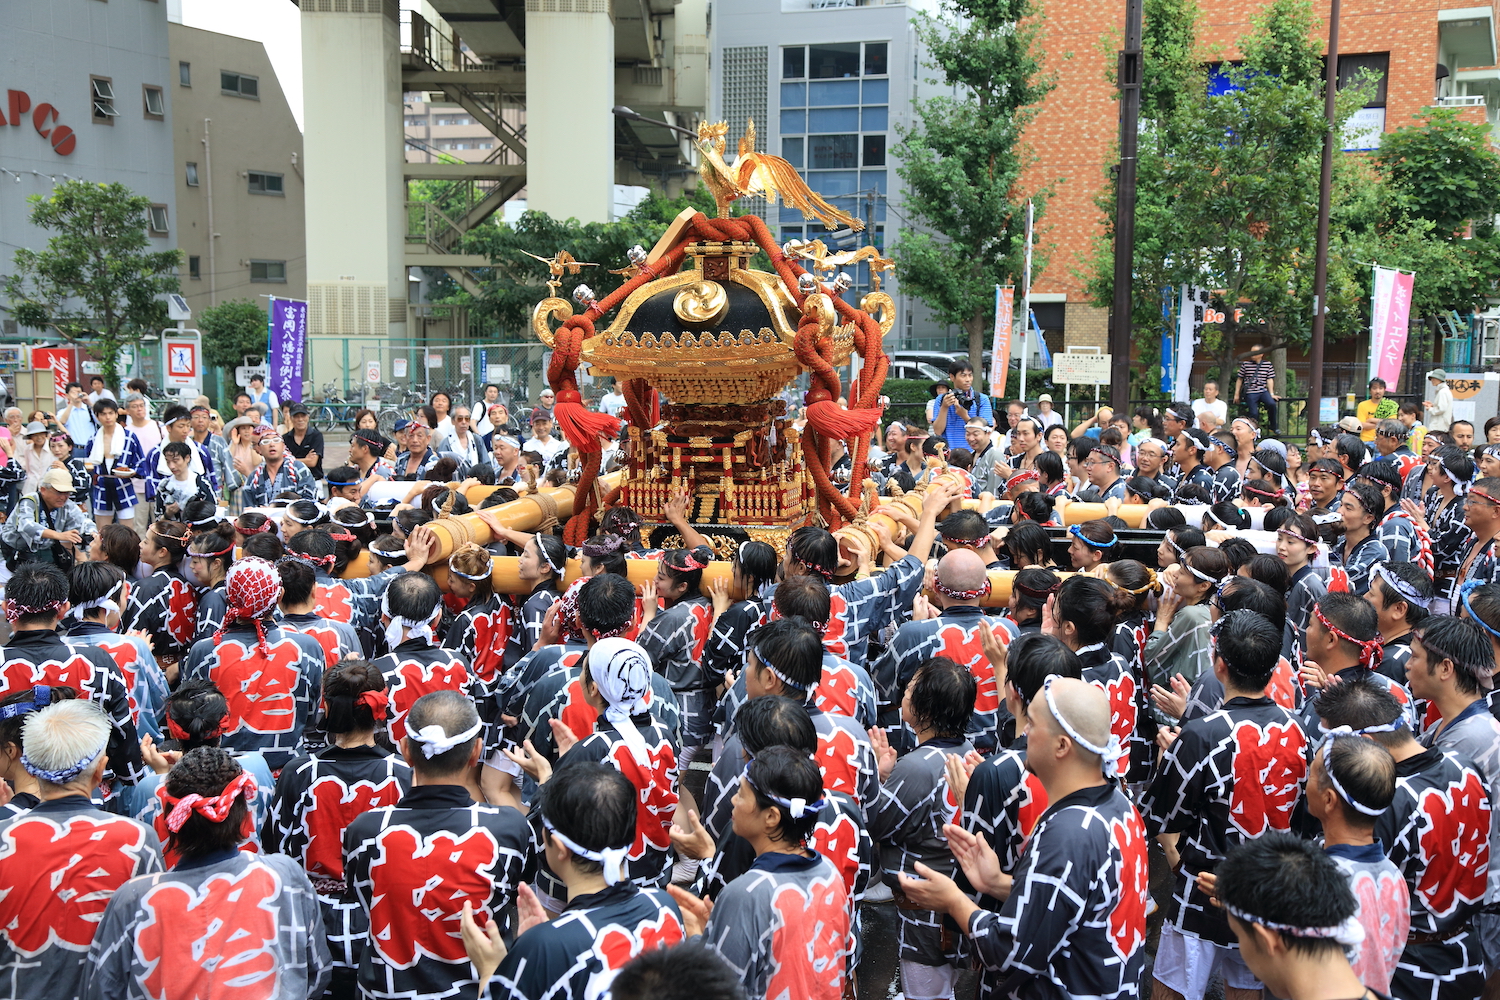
(97,282)
(962,163)
(516,282)
(1227,192)
(231,330)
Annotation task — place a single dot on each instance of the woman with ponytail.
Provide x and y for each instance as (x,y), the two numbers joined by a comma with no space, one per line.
(542,565)
(677,637)
(1179,641)
(480,631)
(301,824)
(207,813)
(194,716)
(210,554)
(252,522)
(1029,592)
(1134,625)
(164,605)
(754,575)
(1084,613)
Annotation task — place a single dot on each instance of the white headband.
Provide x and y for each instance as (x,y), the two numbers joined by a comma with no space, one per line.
(107,602)
(414,629)
(1400,586)
(612,858)
(1349,933)
(621,670)
(1109,753)
(435,739)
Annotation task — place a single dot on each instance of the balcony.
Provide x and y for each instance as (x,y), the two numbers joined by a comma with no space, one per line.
(797,6)
(1466,37)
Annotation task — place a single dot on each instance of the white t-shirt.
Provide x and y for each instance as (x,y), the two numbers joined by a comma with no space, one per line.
(149,436)
(1219,408)
(1049,419)
(612,403)
(548,449)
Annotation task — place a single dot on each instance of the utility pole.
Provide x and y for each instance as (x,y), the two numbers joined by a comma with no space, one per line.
(1325,197)
(1129,79)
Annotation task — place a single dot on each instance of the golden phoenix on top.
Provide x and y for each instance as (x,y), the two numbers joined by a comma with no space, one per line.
(759,174)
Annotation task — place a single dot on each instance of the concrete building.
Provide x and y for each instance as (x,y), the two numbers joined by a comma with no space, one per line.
(567,63)
(89,96)
(439,132)
(1427,56)
(826,83)
(239,173)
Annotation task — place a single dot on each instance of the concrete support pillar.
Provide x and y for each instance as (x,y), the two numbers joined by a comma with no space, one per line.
(354,142)
(570,90)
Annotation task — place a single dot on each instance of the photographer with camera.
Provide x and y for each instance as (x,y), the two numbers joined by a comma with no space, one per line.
(46,526)
(959,405)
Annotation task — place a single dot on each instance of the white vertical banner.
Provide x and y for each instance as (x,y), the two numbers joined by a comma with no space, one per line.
(1189,323)
(1025,324)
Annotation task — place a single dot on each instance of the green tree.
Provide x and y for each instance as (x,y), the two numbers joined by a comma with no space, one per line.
(230,331)
(1228,182)
(97,282)
(963,163)
(515,282)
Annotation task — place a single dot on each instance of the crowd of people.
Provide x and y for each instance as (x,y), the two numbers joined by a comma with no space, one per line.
(233,769)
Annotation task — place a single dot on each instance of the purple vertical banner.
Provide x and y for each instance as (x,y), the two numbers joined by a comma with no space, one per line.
(288,340)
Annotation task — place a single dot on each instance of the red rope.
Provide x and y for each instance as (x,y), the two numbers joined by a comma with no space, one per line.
(812,351)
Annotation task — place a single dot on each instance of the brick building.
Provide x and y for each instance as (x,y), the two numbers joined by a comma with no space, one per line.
(1074,135)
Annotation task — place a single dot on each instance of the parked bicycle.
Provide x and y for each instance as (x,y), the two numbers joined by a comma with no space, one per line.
(335,410)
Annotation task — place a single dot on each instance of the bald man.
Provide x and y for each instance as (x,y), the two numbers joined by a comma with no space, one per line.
(949,625)
(1078,925)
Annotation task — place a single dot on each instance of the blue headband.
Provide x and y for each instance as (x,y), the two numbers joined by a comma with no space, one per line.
(41,697)
(796,808)
(1113,541)
(1463,594)
(62,775)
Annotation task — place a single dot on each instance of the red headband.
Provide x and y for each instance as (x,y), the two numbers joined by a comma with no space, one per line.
(214,807)
(961,595)
(1268,494)
(178,733)
(819,570)
(1288,532)
(327,562)
(342,536)
(375,701)
(208,555)
(689,563)
(14,611)
(1476,491)
(966,543)
(1024,476)
(265,526)
(1370,651)
(1033,592)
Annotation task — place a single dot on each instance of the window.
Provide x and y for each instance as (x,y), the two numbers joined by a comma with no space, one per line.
(195,270)
(829,62)
(874,151)
(264,183)
(239,85)
(273,271)
(875,59)
(156,220)
(185,74)
(102,93)
(156,108)
(1351,68)
(416,122)
(791,152)
(455,121)
(192,175)
(793,63)
(833,152)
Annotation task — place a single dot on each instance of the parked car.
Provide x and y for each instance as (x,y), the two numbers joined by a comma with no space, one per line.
(919,370)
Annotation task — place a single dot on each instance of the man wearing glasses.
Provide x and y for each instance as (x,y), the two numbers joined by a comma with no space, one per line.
(1477,560)
(462,440)
(1103,466)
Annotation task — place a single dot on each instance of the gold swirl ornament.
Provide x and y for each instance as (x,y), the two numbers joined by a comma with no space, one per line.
(548,309)
(883,304)
(820,308)
(701,303)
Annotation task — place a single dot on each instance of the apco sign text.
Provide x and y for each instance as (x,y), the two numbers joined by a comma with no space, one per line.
(43,119)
